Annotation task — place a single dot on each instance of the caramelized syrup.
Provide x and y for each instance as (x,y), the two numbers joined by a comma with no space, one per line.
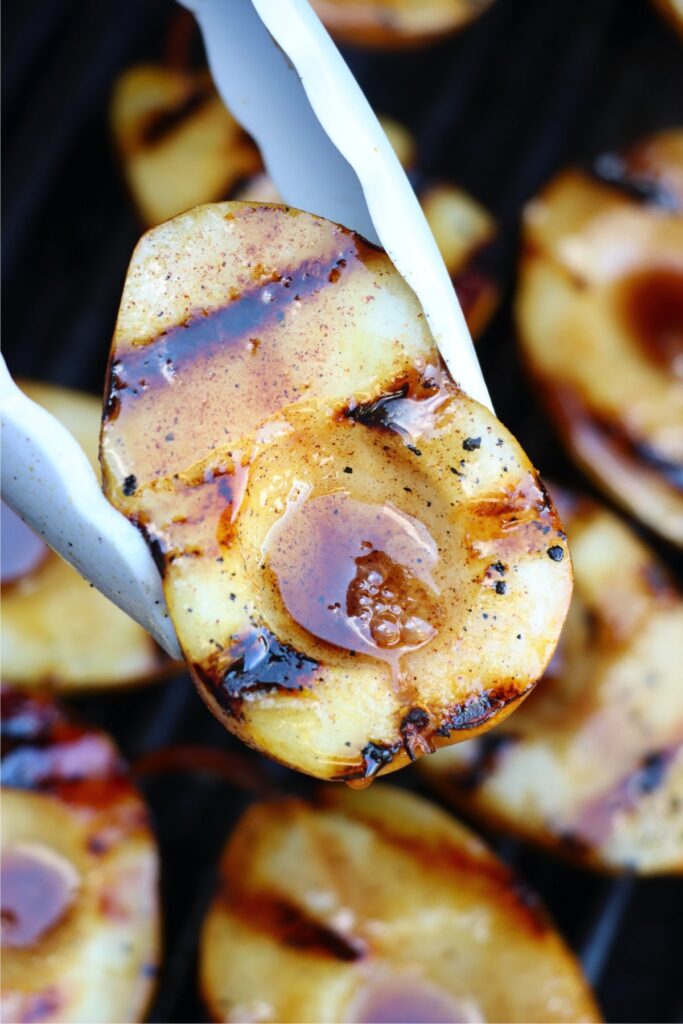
(38,887)
(356,575)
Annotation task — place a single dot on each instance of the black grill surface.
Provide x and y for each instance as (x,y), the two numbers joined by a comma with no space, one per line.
(498,109)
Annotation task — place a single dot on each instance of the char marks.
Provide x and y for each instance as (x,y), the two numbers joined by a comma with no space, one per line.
(293,927)
(260,663)
(475,711)
(161,123)
(205,333)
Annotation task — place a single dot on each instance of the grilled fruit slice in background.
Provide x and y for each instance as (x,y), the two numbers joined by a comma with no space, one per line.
(359,560)
(56,629)
(463,229)
(80,916)
(395,23)
(442,932)
(600,314)
(592,765)
(179,145)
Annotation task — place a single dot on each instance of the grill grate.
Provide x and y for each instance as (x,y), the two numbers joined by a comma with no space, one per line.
(499,108)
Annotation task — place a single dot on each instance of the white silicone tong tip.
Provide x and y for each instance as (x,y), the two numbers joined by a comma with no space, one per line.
(48,481)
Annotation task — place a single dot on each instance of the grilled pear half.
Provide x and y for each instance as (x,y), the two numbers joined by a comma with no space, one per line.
(56,630)
(305,928)
(395,24)
(178,143)
(79,865)
(592,766)
(600,313)
(360,562)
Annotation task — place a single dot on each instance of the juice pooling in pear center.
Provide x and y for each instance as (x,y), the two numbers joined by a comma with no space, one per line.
(356,575)
(360,561)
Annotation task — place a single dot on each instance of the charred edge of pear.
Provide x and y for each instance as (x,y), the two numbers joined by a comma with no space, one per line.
(259,663)
(475,712)
(418,730)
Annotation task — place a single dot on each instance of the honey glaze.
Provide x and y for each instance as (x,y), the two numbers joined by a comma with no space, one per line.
(357,575)
(37,888)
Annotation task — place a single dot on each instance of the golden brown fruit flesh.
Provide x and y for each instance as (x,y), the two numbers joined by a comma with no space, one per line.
(359,560)
(179,145)
(79,865)
(592,765)
(600,314)
(56,630)
(396,23)
(376,906)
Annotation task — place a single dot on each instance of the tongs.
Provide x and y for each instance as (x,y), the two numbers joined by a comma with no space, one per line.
(282,77)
